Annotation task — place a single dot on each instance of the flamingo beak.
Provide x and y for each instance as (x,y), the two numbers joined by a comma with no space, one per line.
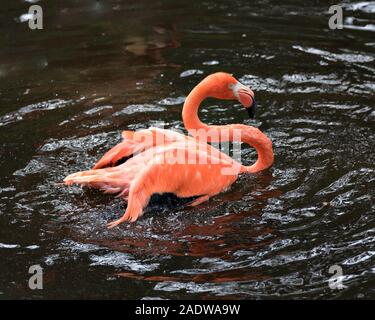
(251,110)
(246,97)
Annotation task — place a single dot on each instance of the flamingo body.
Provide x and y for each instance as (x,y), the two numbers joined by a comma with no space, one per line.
(164,161)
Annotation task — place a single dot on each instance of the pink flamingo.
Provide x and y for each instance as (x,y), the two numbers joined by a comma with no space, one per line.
(150,172)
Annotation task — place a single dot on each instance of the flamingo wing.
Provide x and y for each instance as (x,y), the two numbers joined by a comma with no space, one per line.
(184,180)
(135,142)
(196,170)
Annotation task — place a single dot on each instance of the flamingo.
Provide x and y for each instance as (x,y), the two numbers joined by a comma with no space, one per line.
(149,170)
(135,142)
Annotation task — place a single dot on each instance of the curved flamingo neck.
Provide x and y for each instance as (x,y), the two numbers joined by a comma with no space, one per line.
(232,132)
(261,143)
(190,109)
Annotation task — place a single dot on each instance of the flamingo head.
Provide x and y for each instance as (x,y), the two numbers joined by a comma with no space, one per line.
(225,86)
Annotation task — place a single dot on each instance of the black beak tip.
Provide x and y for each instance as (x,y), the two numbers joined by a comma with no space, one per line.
(251,110)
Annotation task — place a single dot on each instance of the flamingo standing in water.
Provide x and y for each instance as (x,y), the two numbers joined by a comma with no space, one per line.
(150,172)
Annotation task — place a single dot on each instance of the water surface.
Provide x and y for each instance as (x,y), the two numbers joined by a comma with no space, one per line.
(100,67)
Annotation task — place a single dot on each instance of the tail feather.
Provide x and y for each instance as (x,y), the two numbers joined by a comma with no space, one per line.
(108,180)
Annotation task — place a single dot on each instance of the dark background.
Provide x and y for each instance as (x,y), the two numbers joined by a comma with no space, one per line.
(99,67)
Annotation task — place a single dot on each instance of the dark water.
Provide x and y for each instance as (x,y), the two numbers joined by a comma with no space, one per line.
(97,68)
